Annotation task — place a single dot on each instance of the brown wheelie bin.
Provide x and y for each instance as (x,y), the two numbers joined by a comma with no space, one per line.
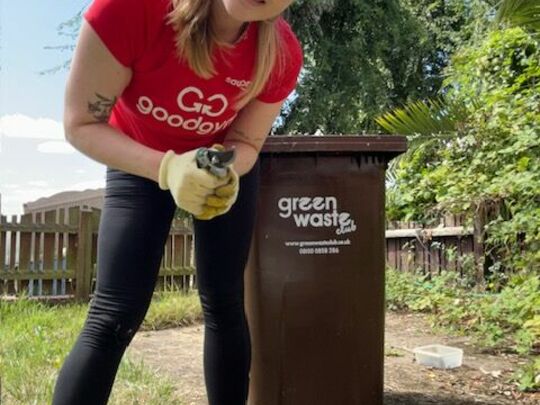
(315,275)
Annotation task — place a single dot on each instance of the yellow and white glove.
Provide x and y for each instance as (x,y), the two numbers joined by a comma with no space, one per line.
(189,185)
(224,196)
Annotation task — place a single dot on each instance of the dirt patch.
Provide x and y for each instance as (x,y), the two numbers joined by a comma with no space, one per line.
(483,378)
(178,353)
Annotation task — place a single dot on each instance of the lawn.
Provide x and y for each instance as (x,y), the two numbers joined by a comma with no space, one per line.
(35,338)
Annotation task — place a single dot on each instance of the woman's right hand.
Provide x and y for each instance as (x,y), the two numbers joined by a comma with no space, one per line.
(189,185)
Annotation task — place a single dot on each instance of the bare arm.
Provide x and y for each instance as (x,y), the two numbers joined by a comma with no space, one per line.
(95,81)
(248,133)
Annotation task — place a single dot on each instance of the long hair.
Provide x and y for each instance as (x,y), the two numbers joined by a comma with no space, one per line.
(196,40)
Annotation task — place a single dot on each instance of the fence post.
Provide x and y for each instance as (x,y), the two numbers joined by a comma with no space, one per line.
(479,228)
(83,273)
(4,285)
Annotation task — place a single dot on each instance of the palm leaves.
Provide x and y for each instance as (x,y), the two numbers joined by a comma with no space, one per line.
(424,122)
(425,117)
(522,13)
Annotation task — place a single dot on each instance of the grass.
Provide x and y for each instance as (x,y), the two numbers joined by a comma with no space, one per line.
(172,309)
(35,339)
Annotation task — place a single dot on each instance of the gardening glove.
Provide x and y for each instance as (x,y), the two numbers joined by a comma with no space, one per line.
(189,185)
(224,196)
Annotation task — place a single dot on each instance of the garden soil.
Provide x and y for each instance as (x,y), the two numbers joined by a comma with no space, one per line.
(482,379)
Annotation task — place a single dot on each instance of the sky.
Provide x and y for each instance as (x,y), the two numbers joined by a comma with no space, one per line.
(35,159)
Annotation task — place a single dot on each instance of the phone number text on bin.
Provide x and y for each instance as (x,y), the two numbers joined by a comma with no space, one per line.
(318,250)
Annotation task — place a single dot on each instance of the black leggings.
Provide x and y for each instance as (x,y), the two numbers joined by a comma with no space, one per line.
(134,225)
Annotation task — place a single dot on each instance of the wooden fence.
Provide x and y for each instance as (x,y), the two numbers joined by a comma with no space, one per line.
(450,246)
(54,254)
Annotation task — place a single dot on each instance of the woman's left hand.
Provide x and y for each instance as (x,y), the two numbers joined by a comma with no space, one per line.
(224,196)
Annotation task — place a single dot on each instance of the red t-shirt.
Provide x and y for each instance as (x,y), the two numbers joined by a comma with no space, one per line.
(166,105)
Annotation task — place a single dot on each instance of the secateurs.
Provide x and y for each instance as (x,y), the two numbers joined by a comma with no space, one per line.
(215,161)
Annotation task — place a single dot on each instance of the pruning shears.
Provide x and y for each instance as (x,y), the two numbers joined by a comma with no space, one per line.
(214,160)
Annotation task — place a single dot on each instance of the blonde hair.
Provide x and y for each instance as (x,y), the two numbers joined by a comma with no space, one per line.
(195,42)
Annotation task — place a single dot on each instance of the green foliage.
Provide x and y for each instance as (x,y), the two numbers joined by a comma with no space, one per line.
(520,13)
(529,376)
(354,69)
(404,291)
(506,321)
(502,321)
(505,64)
(448,24)
(493,160)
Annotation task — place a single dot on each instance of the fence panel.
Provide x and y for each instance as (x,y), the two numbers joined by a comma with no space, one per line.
(409,247)
(57,252)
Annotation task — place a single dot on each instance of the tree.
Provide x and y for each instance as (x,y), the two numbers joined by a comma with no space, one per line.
(365,56)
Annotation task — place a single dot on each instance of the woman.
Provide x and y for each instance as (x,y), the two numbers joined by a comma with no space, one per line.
(151,82)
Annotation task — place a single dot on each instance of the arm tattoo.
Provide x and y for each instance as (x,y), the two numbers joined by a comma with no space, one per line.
(101,109)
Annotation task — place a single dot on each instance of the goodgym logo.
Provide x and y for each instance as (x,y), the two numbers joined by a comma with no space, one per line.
(191,100)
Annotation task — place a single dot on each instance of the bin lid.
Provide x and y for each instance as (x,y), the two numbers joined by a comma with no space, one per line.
(391,145)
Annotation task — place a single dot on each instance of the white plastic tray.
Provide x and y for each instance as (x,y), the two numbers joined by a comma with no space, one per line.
(438,356)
